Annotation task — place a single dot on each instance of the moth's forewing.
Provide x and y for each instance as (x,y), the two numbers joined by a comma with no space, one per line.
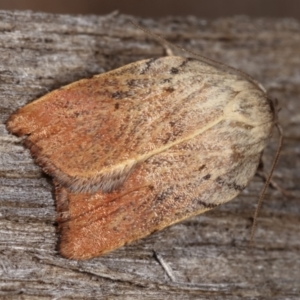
(144,146)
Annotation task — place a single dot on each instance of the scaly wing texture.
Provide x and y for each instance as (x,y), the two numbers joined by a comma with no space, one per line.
(144,146)
(165,189)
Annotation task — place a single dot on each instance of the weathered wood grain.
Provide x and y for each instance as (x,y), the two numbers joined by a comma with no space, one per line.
(206,257)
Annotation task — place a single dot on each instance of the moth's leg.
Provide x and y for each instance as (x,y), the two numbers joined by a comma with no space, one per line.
(264,174)
(167,50)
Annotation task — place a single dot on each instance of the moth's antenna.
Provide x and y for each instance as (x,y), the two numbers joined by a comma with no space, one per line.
(203,59)
(262,194)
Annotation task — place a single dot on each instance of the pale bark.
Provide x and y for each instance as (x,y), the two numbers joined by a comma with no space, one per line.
(206,257)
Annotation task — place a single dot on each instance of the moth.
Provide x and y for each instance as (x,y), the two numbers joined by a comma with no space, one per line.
(144,146)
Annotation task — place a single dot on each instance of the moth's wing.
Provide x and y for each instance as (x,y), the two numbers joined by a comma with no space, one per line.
(184,181)
(185,136)
(91,134)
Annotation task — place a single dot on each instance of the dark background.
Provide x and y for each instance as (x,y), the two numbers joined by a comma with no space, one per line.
(160,8)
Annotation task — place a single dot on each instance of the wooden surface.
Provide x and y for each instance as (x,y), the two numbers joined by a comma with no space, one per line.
(206,257)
